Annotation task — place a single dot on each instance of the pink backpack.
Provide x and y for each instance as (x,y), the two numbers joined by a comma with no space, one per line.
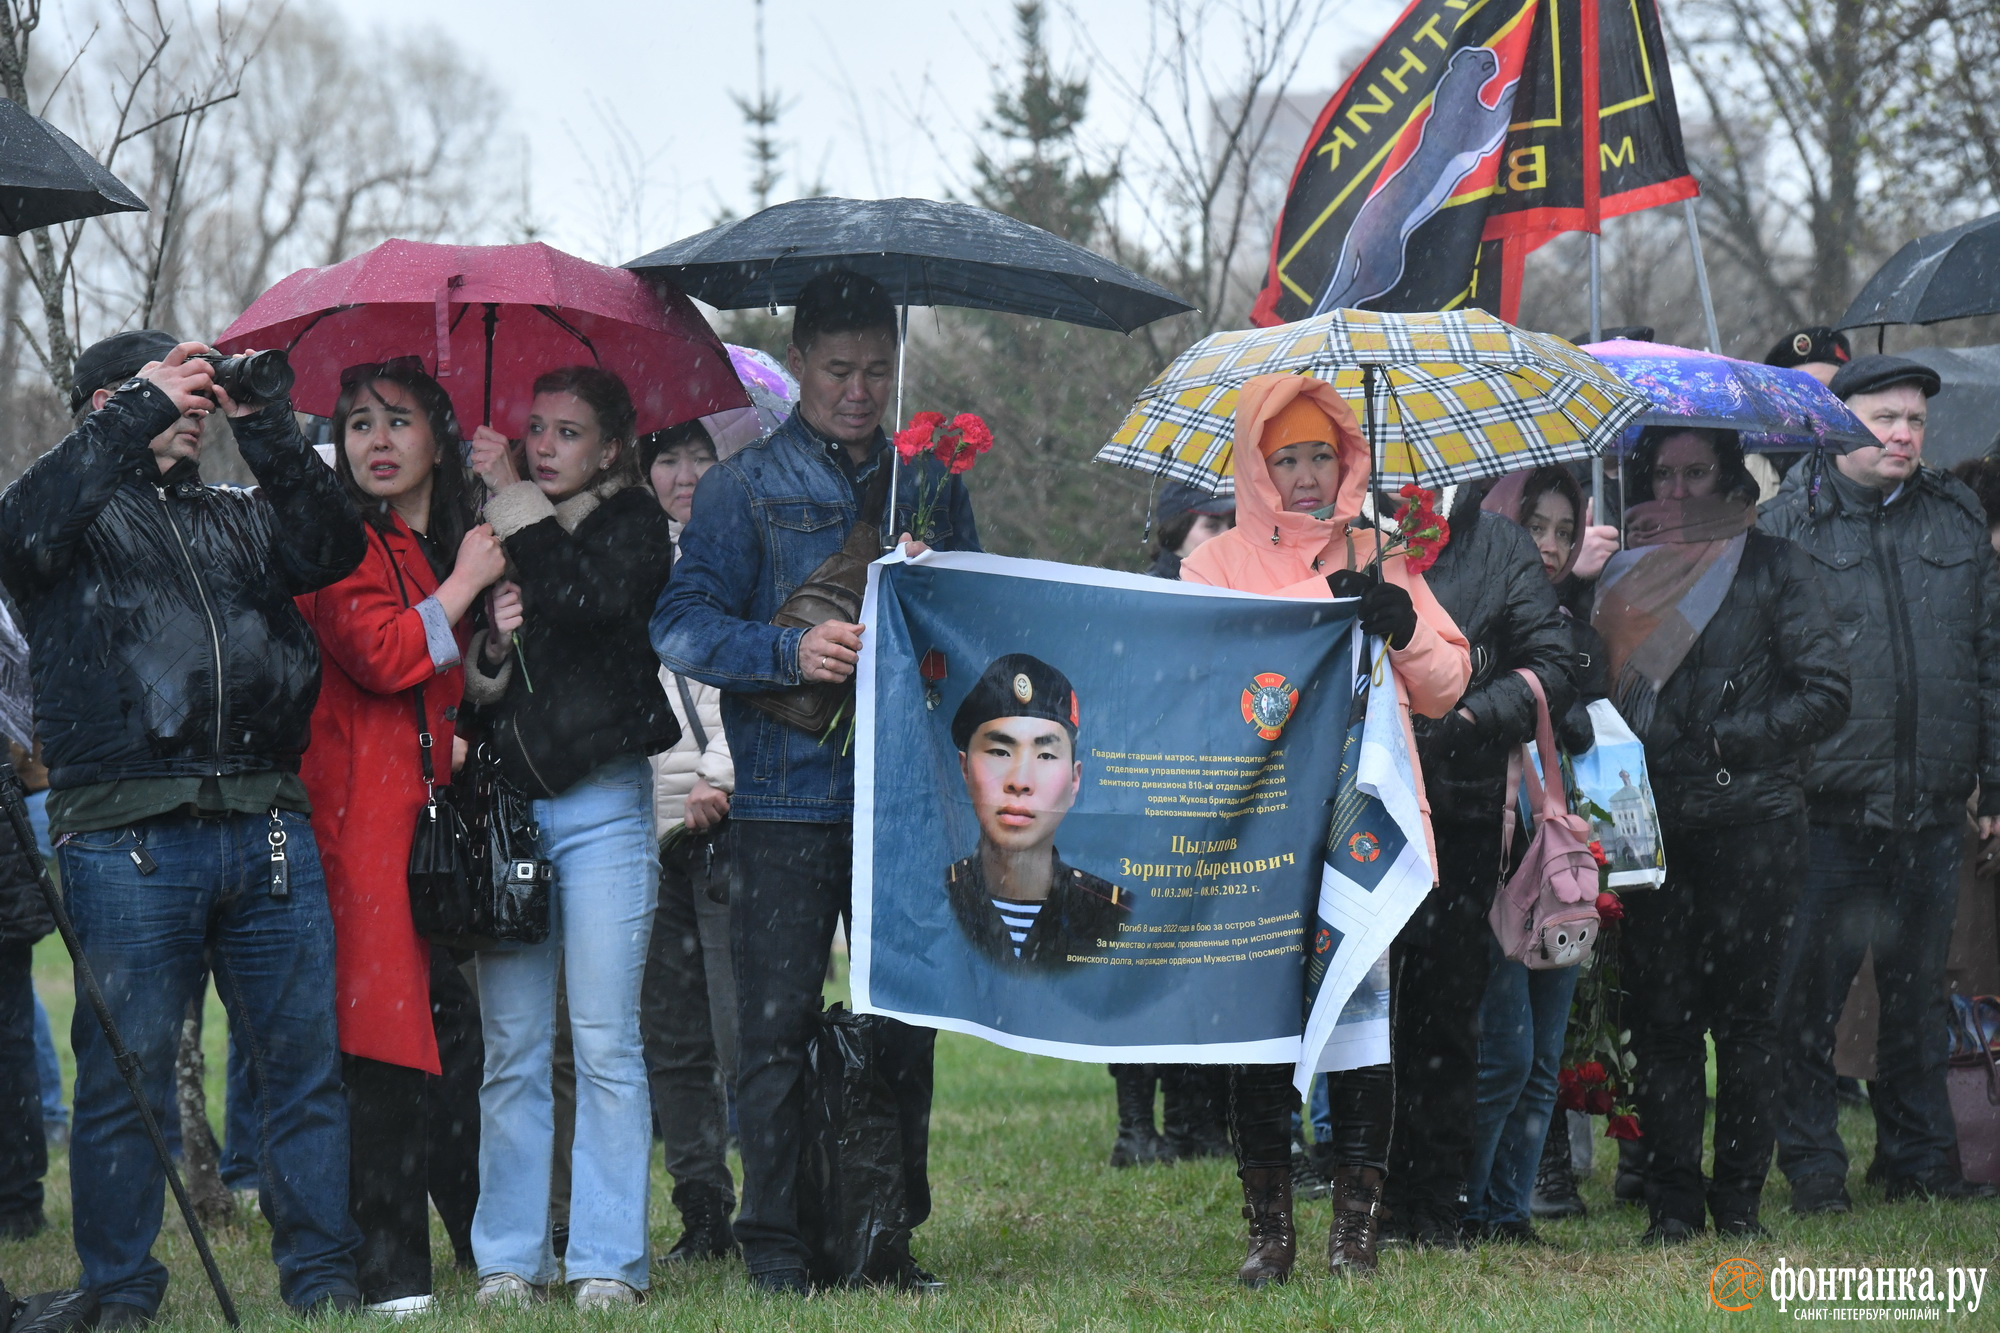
(1545,914)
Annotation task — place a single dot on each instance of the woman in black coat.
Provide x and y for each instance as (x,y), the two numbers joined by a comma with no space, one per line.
(568,694)
(1723,658)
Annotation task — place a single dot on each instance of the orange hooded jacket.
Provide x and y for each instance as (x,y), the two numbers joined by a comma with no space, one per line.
(1289,554)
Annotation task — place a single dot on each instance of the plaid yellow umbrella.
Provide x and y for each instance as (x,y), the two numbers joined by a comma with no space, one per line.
(1444,396)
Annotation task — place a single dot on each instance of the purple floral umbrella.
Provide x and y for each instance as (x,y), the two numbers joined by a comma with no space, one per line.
(1775,410)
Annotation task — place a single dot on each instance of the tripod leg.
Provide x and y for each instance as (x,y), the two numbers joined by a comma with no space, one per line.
(16,802)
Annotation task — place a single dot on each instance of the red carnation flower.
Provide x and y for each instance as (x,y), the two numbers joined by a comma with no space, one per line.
(973,432)
(1622,1127)
(1597,852)
(1609,907)
(919,435)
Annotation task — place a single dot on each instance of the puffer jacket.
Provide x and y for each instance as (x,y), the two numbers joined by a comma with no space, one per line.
(1489,579)
(24,913)
(1764,683)
(1915,598)
(584,687)
(675,770)
(163,639)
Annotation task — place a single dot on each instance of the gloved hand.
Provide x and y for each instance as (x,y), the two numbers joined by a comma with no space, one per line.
(1347,583)
(1450,735)
(1387,614)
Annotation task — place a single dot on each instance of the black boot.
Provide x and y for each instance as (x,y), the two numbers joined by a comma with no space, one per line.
(1138,1143)
(1196,1110)
(1555,1180)
(1629,1186)
(705,1229)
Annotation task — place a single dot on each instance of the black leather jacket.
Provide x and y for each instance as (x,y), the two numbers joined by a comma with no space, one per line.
(158,611)
(1915,597)
(1764,683)
(1489,579)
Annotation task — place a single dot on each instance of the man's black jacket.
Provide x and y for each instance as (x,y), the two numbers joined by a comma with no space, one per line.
(1915,597)
(1489,579)
(1765,682)
(158,611)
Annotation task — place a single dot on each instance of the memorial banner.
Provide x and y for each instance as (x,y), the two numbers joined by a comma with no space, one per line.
(1092,815)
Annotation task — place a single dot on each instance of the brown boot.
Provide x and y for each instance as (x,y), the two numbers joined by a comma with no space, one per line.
(1357,1201)
(1274,1245)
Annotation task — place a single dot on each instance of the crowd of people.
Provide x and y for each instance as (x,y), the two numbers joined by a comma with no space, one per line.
(245,698)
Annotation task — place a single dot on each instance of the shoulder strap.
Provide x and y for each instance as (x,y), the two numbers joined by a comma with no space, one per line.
(424,739)
(693,713)
(1545,795)
(875,494)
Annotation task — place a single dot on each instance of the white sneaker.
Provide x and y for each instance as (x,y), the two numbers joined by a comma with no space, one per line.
(605,1293)
(505,1289)
(407,1307)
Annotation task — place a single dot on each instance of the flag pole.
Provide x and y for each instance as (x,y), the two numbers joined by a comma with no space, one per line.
(1701,277)
(1596,335)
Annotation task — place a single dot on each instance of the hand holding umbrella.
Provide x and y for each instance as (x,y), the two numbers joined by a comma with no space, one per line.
(492,459)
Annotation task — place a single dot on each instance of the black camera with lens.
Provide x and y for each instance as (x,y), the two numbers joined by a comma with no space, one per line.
(254,379)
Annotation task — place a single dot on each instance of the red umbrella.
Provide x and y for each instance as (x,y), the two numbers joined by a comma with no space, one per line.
(487,320)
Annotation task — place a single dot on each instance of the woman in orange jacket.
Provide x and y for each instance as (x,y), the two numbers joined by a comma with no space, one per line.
(1299,450)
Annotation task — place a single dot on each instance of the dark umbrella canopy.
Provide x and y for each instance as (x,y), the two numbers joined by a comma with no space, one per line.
(924,252)
(1965,412)
(45,179)
(1946,275)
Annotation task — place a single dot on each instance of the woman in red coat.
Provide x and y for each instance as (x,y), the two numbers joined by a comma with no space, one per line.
(388,630)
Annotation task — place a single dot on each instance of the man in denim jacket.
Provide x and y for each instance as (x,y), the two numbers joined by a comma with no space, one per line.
(764,520)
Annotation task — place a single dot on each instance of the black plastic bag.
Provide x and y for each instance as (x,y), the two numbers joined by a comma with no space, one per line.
(851,1190)
(47,1311)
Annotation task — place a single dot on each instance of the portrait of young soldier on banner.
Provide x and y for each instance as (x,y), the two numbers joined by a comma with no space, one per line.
(1014,898)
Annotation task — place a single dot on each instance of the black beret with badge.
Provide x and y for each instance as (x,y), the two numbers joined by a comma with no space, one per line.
(1817,343)
(1016,685)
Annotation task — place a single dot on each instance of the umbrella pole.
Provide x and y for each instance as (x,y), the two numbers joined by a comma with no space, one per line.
(492,320)
(896,462)
(1596,336)
(1374,457)
(1701,278)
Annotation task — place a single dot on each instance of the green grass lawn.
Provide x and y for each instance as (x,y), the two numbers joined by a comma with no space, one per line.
(1033,1230)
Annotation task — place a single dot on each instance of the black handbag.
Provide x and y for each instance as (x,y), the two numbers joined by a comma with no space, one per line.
(477,880)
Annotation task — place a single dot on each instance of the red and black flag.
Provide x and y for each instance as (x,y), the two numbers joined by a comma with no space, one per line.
(1388,202)
(1642,162)
(1474,133)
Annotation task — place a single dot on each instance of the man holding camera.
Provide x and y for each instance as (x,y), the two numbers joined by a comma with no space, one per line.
(174,684)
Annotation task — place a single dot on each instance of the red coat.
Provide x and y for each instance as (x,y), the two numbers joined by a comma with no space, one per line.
(363,773)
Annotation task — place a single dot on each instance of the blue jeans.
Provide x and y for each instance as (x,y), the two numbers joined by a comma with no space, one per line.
(599,833)
(1522,1022)
(1896,893)
(239,1122)
(151,939)
(48,1071)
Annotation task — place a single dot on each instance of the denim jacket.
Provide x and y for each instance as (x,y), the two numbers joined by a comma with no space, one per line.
(764,519)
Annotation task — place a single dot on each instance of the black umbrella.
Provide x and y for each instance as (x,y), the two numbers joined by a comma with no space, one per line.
(924,252)
(1946,275)
(46,179)
(1965,414)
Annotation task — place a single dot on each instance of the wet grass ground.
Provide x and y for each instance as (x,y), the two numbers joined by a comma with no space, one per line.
(1033,1230)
